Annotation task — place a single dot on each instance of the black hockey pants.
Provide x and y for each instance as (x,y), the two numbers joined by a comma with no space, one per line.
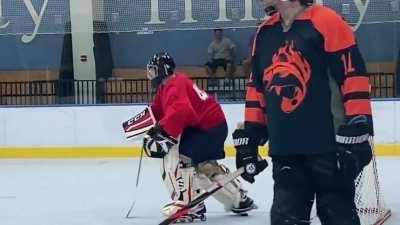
(302,178)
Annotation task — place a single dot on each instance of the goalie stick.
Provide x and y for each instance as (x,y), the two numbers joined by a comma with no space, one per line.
(210,191)
(136,186)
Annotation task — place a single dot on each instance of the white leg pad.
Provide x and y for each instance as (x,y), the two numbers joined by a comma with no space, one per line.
(172,170)
(180,179)
(186,190)
(211,172)
(169,172)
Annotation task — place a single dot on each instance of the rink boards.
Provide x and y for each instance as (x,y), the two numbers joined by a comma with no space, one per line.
(96,131)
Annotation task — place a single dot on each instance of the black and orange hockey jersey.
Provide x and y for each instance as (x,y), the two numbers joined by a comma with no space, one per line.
(289,89)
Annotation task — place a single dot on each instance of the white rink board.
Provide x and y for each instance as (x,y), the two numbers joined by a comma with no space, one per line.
(101,125)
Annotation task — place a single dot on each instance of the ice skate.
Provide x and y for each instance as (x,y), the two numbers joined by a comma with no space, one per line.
(245,205)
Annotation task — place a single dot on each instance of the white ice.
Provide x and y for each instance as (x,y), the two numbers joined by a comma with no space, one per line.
(100,191)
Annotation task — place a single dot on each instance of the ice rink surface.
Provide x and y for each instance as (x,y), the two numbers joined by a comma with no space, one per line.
(100,192)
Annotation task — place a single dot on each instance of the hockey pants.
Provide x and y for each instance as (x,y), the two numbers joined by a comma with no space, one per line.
(302,179)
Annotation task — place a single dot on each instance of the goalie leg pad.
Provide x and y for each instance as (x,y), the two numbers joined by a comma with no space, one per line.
(169,172)
(187,190)
(232,195)
(180,179)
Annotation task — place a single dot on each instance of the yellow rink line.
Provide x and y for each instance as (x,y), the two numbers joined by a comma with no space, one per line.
(106,152)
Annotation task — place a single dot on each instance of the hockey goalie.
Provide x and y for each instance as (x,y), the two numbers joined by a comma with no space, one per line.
(188,134)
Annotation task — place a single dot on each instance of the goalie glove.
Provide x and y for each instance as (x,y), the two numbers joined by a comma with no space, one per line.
(354,148)
(139,124)
(246,142)
(157,143)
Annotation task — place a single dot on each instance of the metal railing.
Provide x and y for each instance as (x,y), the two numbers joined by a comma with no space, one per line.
(383,85)
(138,91)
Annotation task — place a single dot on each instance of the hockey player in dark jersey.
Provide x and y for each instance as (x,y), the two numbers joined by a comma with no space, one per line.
(188,115)
(309,97)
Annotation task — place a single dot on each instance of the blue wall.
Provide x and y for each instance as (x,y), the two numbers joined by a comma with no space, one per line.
(187,47)
(378,42)
(44,52)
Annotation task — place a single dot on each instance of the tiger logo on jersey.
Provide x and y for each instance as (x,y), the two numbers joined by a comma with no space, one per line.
(287,77)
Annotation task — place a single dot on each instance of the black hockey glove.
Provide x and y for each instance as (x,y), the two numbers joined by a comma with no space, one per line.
(354,149)
(246,142)
(157,143)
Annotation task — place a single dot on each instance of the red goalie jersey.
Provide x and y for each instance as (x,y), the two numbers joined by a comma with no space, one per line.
(179,103)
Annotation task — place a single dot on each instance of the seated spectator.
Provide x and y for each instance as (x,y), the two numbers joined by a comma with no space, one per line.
(221,53)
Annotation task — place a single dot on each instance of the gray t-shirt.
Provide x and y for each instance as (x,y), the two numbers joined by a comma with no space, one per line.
(221,49)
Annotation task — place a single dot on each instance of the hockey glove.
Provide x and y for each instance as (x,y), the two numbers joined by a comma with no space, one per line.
(354,149)
(157,142)
(246,142)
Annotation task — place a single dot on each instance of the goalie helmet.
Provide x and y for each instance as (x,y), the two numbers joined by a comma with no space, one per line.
(160,66)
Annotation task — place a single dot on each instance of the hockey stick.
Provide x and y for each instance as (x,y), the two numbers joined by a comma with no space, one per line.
(214,188)
(137,184)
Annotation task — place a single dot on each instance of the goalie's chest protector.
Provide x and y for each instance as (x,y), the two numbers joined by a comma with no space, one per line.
(291,69)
